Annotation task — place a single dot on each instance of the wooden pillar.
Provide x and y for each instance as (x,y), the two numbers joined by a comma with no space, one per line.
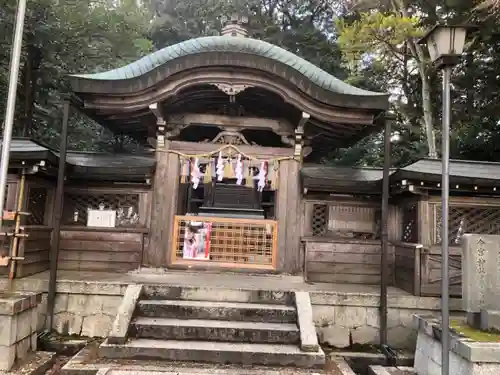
(395,226)
(164,207)
(424,222)
(288,216)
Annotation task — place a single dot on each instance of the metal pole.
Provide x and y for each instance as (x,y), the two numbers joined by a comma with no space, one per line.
(445,193)
(56,221)
(15,59)
(384,235)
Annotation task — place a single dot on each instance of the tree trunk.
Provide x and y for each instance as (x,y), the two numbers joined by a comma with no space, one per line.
(419,55)
(427,110)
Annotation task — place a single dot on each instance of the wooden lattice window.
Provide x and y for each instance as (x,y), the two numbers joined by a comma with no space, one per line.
(477,220)
(37,203)
(77,204)
(410,223)
(319,220)
(231,241)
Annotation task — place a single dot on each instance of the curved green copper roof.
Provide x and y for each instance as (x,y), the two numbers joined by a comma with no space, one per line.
(229,44)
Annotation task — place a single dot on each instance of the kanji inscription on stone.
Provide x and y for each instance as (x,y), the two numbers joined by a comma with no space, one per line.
(480,272)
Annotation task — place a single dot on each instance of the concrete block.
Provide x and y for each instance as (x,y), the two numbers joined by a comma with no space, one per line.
(394,317)
(23,347)
(61,303)
(34,319)
(345,299)
(94,304)
(110,304)
(98,325)
(402,337)
(323,315)
(66,323)
(342,365)
(162,292)
(121,324)
(490,320)
(234,311)
(91,288)
(7,357)
(213,352)
(215,330)
(378,370)
(77,304)
(373,317)
(337,337)
(34,342)
(8,329)
(308,336)
(350,316)
(14,303)
(365,335)
(24,324)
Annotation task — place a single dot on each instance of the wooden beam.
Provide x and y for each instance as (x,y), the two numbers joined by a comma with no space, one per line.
(256,151)
(303,120)
(297,98)
(279,126)
(156,109)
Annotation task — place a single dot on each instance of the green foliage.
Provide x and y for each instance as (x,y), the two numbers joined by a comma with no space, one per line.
(63,37)
(364,42)
(376,33)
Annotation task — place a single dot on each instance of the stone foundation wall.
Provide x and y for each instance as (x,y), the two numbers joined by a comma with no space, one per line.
(341,319)
(18,327)
(467,357)
(83,309)
(345,319)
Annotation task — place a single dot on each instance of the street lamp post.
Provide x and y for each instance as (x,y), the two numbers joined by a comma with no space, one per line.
(445,44)
(11,102)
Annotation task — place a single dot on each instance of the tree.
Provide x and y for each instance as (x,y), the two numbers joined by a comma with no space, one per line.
(389,39)
(63,37)
(304,27)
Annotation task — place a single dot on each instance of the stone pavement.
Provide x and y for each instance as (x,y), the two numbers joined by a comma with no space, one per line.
(206,279)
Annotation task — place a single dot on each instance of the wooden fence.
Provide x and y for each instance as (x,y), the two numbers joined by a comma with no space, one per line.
(100,250)
(341,240)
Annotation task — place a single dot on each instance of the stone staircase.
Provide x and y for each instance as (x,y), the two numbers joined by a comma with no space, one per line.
(214,326)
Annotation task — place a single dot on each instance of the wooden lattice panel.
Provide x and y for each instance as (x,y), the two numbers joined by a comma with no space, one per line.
(319,219)
(232,242)
(410,222)
(76,206)
(476,220)
(37,200)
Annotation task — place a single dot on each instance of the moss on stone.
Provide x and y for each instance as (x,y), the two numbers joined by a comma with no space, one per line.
(474,334)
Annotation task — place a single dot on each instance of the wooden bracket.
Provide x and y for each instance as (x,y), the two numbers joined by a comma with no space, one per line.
(299,134)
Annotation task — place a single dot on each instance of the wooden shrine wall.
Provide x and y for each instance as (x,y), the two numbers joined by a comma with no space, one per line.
(341,238)
(418,256)
(166,201)
(290,252)
(118,249)
(100,250)
(35,248)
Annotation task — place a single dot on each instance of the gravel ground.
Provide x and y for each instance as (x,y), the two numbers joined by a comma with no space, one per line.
(59,362)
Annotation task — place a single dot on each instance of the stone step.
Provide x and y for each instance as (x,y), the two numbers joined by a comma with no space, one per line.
(188,293)
(213,352)
(215,330)
(202,371)
(237,311)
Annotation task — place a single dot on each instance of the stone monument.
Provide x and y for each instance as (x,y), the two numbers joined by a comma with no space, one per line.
(481,281)
(471,352)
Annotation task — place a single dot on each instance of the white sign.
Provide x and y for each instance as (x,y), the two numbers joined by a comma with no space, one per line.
(101,218)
